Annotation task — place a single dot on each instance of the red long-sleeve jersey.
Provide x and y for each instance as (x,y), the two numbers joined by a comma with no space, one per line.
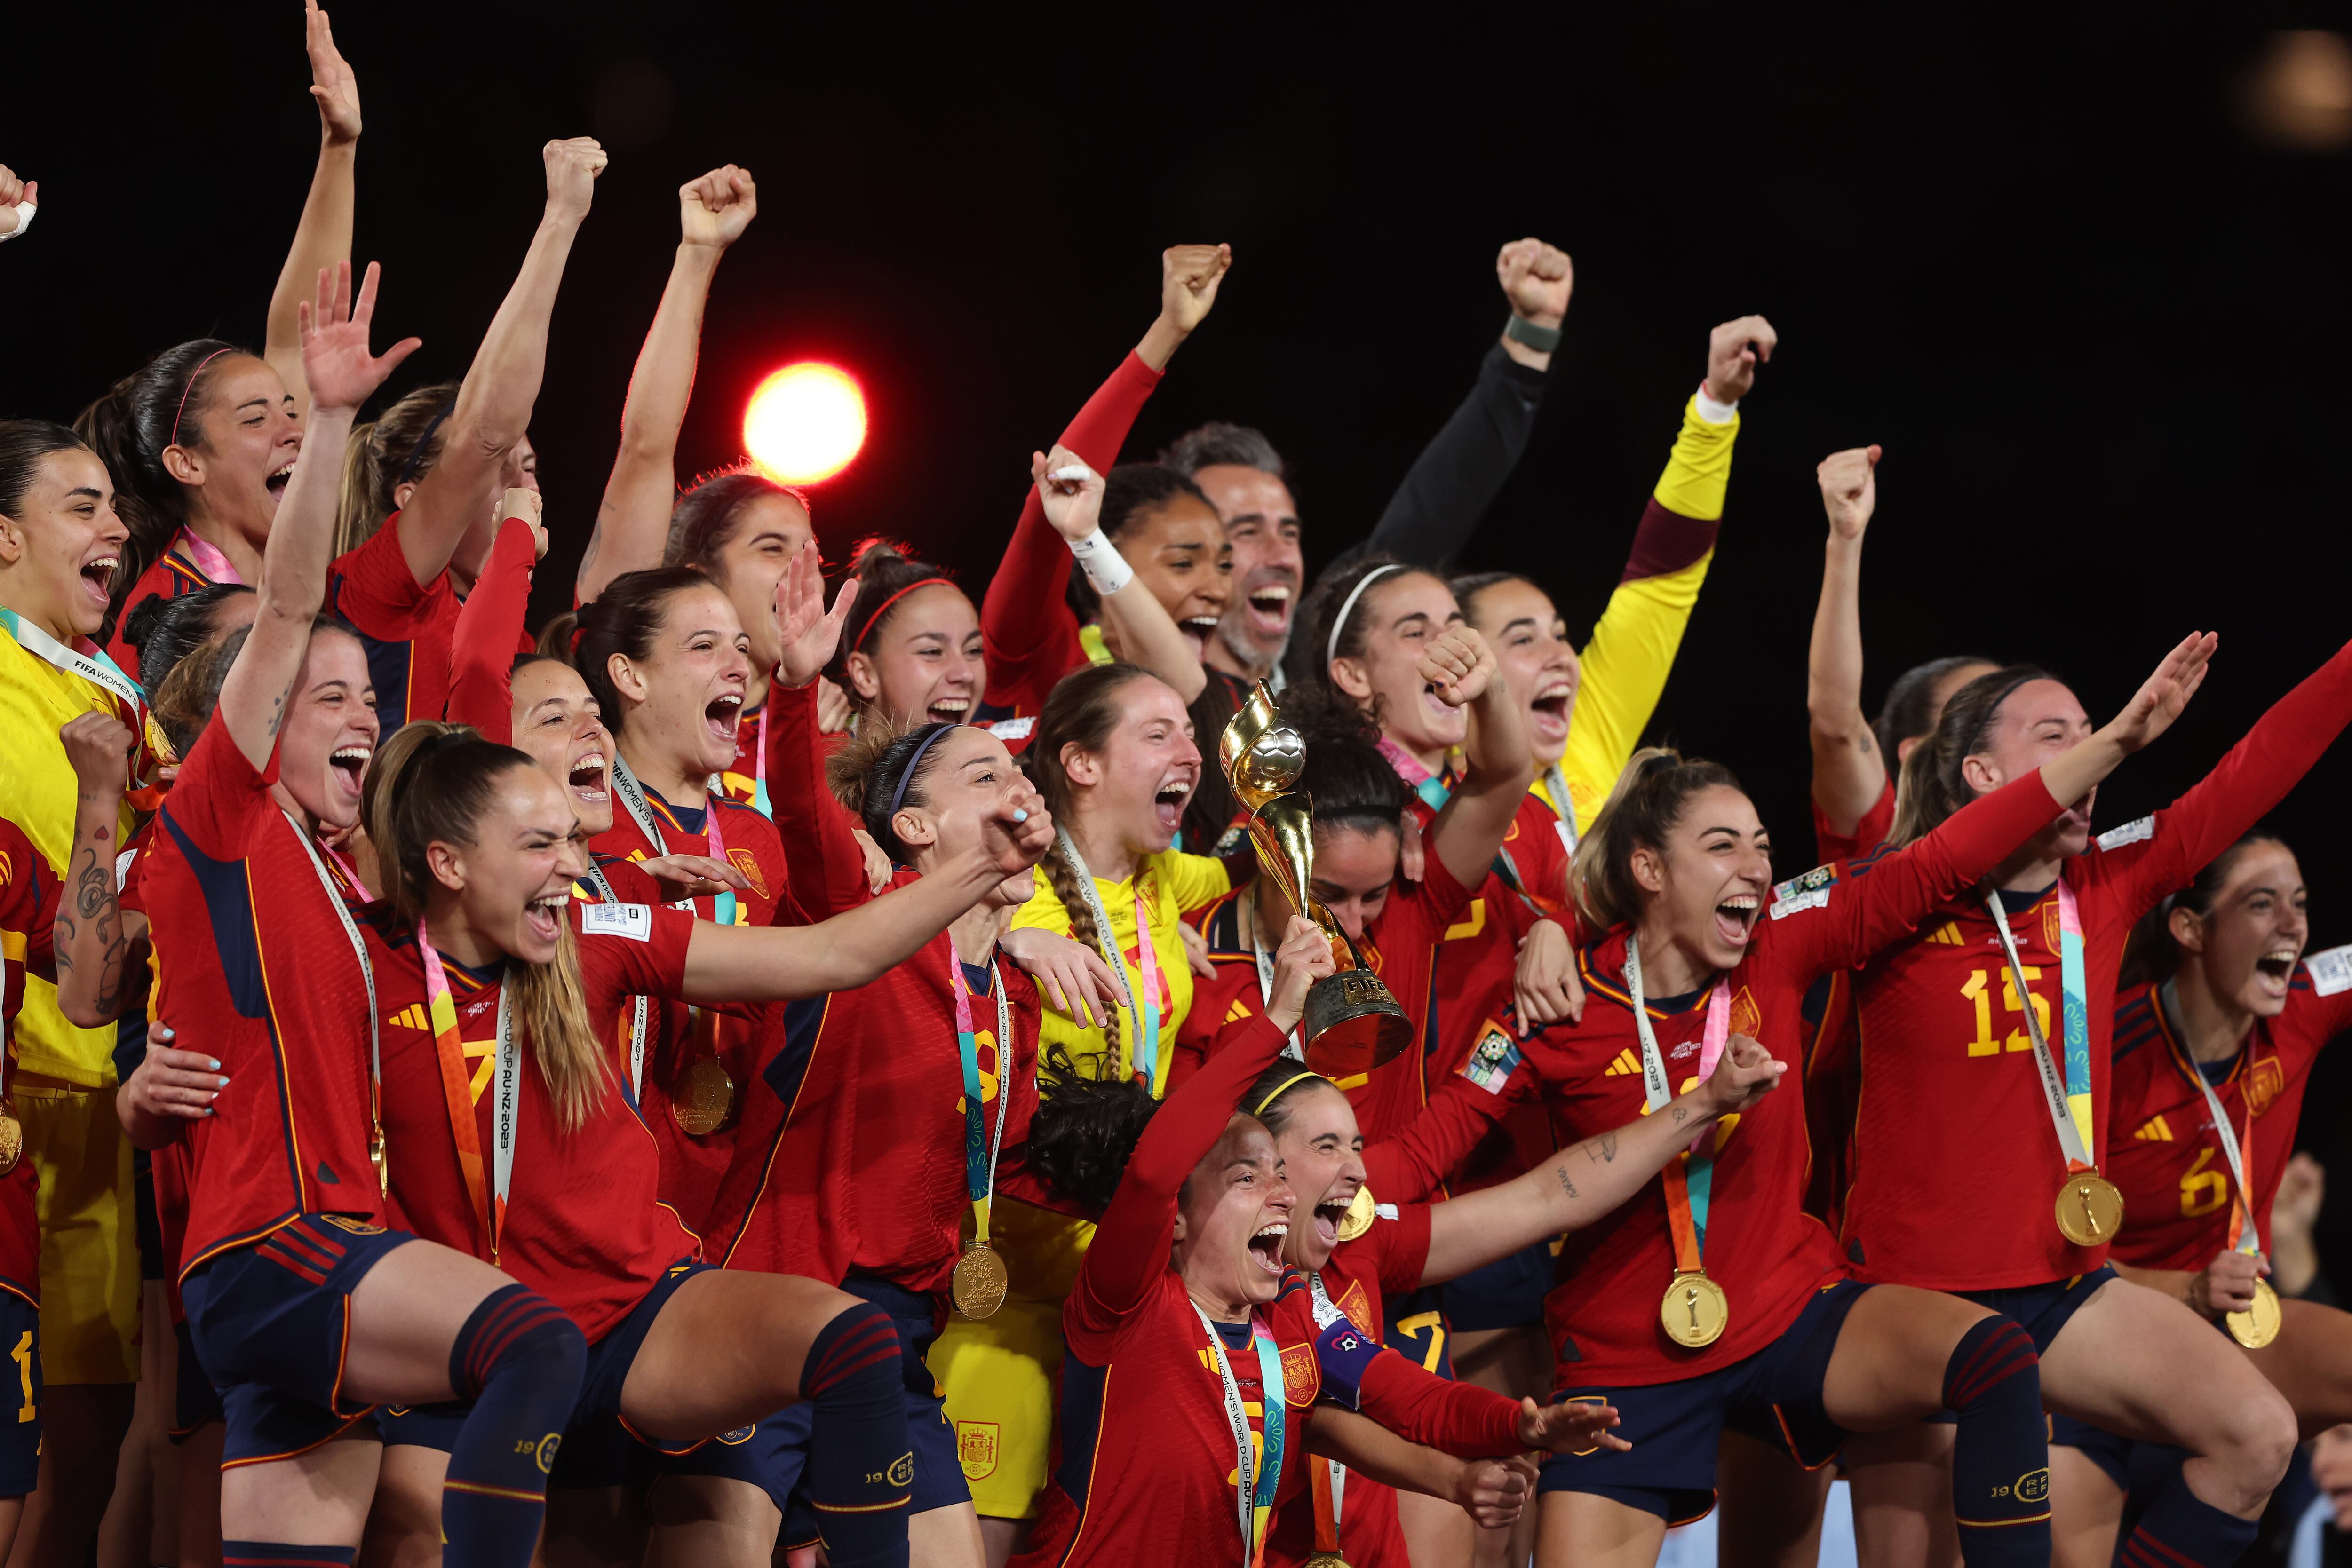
(489,633)
(1029,634)
(1962,1201)
(2165,1155)
(1144,1455)
(1765,1252)
(29,908)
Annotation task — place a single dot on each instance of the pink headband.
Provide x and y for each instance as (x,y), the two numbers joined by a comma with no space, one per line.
(874,620)
(207,360)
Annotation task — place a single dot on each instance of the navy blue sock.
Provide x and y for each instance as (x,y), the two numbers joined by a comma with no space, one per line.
(860,1465)
(2180,1530)
(518,1359)
(2001,1453)
(278,1554)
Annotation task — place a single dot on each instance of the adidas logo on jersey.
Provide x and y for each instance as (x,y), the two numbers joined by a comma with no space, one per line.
(2156,1130)
(413,1016)
(1626,1063)
(1947,933)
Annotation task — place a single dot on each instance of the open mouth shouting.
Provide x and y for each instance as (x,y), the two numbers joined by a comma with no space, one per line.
(543,915)
(2276,969)
(720,716)
(97,574)
(349,765)
(1168,800)
(1548,713)
(1735,919)
(1267,606)
(1326,1218)
(948,710)
(1266,1246)
(1197,630)
(276,483)
(587,778)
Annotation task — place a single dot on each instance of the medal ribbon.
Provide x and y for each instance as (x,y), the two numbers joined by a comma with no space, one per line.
(2245,1235)
(1689,1183)
(103,673)
(638,1007)
(1556,786)
(2069,1098)
(206,557)
(1435,792)
(458,1093)
(979,1151)
(1144,1005)
(633,796)
(1254,1500)
(375,1027)
(1327,1477)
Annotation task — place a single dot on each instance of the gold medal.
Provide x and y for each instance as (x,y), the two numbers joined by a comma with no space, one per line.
(980,1281)
(1326,1559)
(1694,1311)
(12,1139)
(2258,1324)
(704,1098)
(2090,1209)
(1361,1211)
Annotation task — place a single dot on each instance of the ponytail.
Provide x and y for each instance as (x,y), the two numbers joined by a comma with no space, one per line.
(432,782)
(1641,813)
(1933,783)
(398,447)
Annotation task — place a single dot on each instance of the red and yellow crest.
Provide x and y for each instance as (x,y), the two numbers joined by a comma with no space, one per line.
(1301,1378)
(976,1449)
(1746,1018)
(2263,1084)
(749,865)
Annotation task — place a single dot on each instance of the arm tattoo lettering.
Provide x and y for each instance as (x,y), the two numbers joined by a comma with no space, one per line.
(1566,1185)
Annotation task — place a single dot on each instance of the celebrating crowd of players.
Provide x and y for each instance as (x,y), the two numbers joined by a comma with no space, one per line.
(746,1070)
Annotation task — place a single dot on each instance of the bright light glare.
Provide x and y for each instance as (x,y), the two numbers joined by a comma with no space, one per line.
(805,423)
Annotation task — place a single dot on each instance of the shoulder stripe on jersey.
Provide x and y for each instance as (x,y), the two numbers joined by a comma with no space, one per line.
(803,1027)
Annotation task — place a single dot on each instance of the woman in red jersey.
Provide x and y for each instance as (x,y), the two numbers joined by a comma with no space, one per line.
(912,652)
(1714,1297)
(930,1073)
(1034,637)
(200,514)
(667,663)
(1187,1331)
(551,1172)
(1354,1250)
(304,1308)
(28,907)
(2219,1021)
(1943,1021)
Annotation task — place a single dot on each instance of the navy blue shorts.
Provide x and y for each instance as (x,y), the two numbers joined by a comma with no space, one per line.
(2040,1310)
(2103,1449)
(599,1449)
(1418,1330)
(20,1432)
(195,1402)
(1507,1293)
(423,1425)
(270,1322)
(1775,1393)
(773,1457)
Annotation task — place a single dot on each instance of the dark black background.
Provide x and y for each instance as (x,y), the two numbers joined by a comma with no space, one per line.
(2100,332)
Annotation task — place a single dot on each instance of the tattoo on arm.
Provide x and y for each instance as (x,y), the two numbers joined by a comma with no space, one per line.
(1681,1115)
(1602,1149)
(1566,1185)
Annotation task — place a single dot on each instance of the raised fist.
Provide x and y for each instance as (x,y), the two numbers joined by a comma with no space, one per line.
(1189,276)
(1849,482)
(13,191)
(715,210)
(573,166)
(1537,278)
(1733,351)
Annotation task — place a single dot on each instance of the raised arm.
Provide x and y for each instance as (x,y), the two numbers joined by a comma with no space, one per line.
(323,236)
(1071,495)
(1445,494)
(1581,1184)
(1497,753)
(826,870)
(491,624)
(341,374)
(1415,1160)
(632,523)
(1633,648)
(1849,774)
(493,409)
(18,200)
(1024,607)
(100,949)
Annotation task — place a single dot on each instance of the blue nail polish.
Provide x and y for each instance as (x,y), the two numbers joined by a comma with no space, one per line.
(1020,816)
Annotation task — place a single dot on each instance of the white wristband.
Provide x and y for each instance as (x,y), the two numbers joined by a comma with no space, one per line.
(25,211)
(1101,560)
(1716,413)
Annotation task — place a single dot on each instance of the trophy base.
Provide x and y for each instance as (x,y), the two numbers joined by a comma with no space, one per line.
(1352,1024)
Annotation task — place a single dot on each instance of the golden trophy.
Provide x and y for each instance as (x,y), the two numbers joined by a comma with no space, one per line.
(1351,1024)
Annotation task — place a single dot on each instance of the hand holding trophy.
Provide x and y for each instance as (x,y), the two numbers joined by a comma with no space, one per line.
(1352,1024)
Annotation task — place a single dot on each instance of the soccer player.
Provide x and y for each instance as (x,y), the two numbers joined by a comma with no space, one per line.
(1033,629)
(2220,1015)
(1184,1323)
(303,1307)
(914,650)
(1114,757)
(1943,1020)
(200,515)
(479,855)
(29,906)
(1354,1248)
(1761,1325)
(667,665)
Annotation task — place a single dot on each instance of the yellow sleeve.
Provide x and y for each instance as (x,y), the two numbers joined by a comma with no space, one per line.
(1043,911)
(1192,879)
(1698,470)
